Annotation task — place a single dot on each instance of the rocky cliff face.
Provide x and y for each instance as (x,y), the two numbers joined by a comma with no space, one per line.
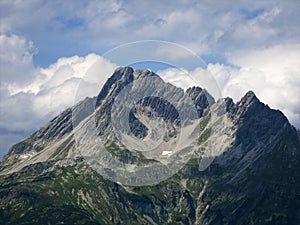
(244,169)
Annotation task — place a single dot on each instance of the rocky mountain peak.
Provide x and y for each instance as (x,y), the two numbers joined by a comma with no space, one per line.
(256,121)
(120,78)
(139,73)
(249,98)
(124,70)
(248,101)
(202,99)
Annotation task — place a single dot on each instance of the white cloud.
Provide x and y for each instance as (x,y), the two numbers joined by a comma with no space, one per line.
(178,77)
(258,29)
(205,27)
(268,16)
(198,77)
(16,59)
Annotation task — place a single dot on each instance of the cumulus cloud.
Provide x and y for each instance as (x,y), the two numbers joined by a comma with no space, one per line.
(183,78)
(16,50)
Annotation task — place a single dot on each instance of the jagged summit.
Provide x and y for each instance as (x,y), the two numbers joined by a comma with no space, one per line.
(123,70)
(201,98)
(138,73)
(250,94)
(121,77)
(247,102)
(248,98)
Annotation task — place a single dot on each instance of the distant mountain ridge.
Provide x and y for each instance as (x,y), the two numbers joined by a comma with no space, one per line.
(244,170)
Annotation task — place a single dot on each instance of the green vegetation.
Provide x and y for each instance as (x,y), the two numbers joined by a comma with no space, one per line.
(128,157)
(204,136)
(70,192)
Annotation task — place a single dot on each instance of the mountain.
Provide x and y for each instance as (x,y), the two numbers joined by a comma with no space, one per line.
(237,163)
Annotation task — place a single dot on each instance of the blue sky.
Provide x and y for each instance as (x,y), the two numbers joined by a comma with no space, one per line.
(48,47)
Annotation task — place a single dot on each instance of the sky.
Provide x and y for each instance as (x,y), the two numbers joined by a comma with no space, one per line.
(50,48)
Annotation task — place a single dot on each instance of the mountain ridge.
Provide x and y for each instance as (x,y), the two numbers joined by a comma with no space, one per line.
(244,170)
